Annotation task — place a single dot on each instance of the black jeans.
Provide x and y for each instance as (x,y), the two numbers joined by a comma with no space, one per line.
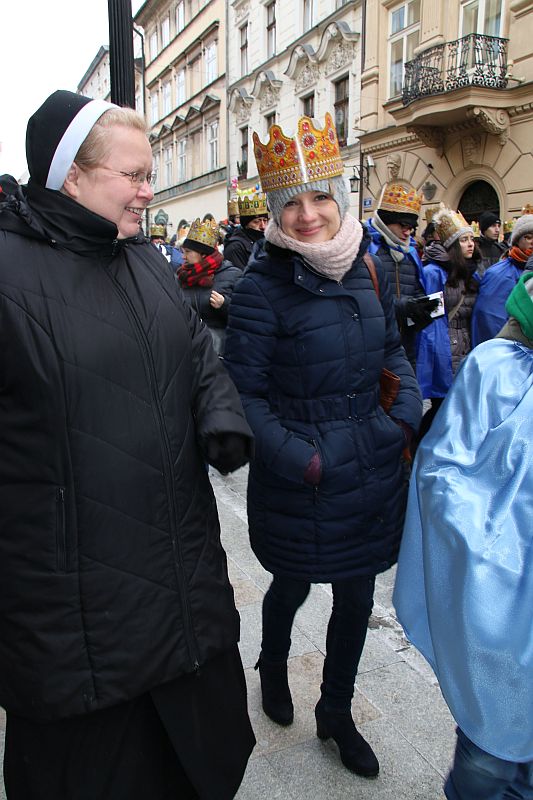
(352,605)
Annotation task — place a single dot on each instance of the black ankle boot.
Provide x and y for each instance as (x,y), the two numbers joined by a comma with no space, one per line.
(356,754)
(277,700)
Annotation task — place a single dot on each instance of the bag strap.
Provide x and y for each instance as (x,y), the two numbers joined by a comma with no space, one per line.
(371,267)
(456,308)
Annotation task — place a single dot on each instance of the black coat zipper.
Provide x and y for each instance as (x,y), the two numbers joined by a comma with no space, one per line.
(61,533)
(169,472)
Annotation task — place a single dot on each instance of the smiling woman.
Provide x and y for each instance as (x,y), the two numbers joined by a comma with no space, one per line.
(118,627)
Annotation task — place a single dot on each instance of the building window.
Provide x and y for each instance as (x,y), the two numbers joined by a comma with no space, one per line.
(243,44)
(404,38)
(271,29)
(341,109)
(180,87)
(182,160)
(155,169)
(154,107)
(270,119)
(180,16)
(167,98)
(168,165)
(481,16)
(153,45)
(211,71)
(309,14)
(212,145)
(165,32)
(308,105)
(242,165)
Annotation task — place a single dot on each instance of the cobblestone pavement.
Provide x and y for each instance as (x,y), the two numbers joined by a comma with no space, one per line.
(397,705)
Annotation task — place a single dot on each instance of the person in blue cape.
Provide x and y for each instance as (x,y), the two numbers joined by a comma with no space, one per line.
(442,346)
(390,229)
(498,281)
(464,586)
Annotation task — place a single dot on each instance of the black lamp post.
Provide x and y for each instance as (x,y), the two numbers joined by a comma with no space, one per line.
(121,53)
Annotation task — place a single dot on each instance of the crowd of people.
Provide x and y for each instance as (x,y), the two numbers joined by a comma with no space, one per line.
(304,342)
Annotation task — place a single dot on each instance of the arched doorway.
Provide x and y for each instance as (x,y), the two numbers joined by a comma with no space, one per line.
(478,197)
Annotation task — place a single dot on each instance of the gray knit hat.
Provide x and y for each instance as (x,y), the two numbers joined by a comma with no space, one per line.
(336,187)
(522,225)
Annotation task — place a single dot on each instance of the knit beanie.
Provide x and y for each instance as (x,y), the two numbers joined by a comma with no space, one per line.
(486,219)
(399,217)
(522,225)
(520,303)
(56,132)
(336,187)
(245,220)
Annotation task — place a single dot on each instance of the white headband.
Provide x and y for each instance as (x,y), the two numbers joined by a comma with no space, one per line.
(71,140)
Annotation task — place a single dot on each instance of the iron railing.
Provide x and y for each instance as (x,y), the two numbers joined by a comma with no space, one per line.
(473,60)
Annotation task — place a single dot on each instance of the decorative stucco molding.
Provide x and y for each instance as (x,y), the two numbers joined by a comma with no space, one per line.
(429,135)
(495,121)
(308,76)
(241,10)
(240,103)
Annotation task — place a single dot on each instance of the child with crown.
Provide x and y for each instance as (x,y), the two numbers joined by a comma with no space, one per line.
(312,325)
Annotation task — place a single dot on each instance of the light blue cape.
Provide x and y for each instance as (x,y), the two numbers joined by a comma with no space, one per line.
(464,587)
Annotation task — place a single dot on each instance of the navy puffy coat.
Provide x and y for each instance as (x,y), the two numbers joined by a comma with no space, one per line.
(306,354)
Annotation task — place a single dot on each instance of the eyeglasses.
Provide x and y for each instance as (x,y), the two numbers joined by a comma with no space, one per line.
(136,178)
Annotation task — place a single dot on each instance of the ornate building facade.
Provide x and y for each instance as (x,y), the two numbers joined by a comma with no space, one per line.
(185,100)
(286,60)
(447,101)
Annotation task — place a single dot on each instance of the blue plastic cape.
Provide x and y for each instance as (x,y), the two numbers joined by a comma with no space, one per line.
(489,314)
(433,350)
(464,587)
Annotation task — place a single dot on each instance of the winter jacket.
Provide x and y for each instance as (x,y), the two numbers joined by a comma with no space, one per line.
(406,279)
(197,297)
(444,344)
(238,245)
(491,252)
(113,577)
(306,354)
(489,313)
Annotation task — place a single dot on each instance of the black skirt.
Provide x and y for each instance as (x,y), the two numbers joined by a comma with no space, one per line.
(187,740)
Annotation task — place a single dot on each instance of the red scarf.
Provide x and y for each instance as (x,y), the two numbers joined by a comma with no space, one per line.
(517,254)
(201,274)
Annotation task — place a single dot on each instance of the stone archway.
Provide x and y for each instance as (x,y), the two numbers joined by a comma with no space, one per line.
(478,196)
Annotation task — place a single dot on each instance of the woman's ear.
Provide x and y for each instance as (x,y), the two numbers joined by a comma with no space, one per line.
(71,182)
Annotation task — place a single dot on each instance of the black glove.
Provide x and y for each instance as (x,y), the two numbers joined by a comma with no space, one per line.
(419,310)
(227,451)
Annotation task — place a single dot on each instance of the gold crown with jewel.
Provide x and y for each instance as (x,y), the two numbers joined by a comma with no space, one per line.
(401,197)
(313,154)
(252,204)
(233,206)
(206,233)
(450,225)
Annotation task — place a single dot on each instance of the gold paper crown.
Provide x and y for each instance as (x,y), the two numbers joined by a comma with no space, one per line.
(508,225)
(205,233)
(253,205)
(233,206)
(312,155)
(475,227)
(450,225)
(430,213)
(527,209)
(401,197)
(157,230)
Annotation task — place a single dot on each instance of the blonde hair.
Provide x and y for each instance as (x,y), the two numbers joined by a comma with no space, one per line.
(94,147)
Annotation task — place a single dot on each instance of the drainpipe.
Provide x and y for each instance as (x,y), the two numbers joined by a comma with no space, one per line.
(363,54)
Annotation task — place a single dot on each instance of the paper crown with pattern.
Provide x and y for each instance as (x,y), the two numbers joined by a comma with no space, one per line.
(313,154)
(508,225)
(450,225)
(253,204)
(527,209)
(401,197)
(157,230)
(233,206)
(475,227)
(205,233)
(430,213)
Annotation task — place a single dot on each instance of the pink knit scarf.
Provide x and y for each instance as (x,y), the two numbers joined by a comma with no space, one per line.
(333,258)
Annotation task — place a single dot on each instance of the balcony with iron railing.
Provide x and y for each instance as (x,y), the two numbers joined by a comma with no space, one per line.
(474,60)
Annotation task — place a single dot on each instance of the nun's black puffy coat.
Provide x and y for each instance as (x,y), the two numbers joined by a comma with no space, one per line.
(113,579)
(306,354)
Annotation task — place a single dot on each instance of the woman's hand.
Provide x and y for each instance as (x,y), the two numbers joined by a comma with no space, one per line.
(216,299)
